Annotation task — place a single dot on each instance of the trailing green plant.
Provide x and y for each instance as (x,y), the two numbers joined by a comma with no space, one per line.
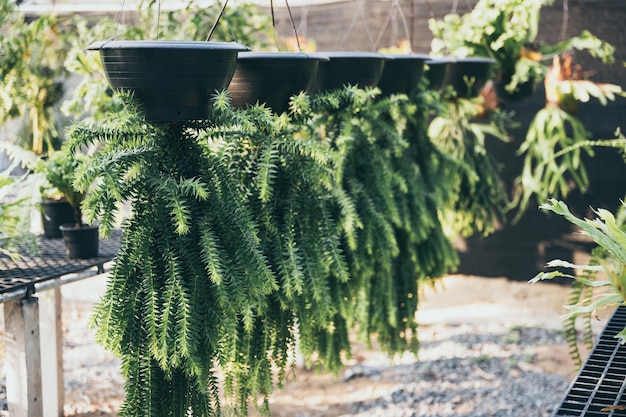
(393,237)
(479,200)
(254,233)
(289,178)
(190,281)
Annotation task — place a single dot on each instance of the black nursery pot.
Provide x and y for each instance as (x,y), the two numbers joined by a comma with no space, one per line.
(402,73)
(272,78)
(362,69)
(80,242)
(170,80)
(468,75)
(54,213)
(436,72)
(522,91)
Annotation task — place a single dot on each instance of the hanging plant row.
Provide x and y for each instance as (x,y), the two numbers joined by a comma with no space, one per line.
(253,233)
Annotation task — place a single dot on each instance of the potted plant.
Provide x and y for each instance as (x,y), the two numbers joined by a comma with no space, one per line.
(171,80)
(272,77)
(362,69)
(80,239)
(506,30)
(556,139)
(601,283)
(402,73)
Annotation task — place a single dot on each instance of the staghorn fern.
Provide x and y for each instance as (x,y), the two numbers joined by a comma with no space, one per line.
(610,259)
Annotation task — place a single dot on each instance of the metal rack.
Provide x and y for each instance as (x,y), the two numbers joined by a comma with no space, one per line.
(598,389)
(30,292)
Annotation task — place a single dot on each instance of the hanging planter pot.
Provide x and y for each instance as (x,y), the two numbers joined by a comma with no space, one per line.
(436,72)
(468,75)
(170,80)
(272,78)
(81,241)
(522,91)
(363,69)
(54,213)
(402,73)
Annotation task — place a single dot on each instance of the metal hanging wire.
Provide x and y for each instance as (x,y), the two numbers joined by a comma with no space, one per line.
(360,13)
(293,24)
(395,10)
(119,18)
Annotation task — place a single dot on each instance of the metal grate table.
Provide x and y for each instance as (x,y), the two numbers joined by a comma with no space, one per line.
(598,389)
(48,263)
(31,296)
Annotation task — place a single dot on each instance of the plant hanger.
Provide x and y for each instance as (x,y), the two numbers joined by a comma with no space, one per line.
(293,24)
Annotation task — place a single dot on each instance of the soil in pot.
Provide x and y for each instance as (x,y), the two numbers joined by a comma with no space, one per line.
(271,78)
(362,69)
(170,80)
(402,73)
(81,242)
(54,213)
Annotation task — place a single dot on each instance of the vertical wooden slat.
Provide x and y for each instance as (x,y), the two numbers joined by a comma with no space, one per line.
(23,357)
(52,345)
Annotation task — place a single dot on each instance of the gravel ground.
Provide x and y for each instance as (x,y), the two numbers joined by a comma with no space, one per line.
(489,347)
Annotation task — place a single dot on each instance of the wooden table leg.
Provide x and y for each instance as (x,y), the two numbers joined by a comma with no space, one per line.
(50,320)
(23,357)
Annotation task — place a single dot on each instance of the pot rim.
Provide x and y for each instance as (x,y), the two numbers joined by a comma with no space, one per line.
(166,44)
(72,226)
(352,54)
(281,55)
(457,60)
(423,57)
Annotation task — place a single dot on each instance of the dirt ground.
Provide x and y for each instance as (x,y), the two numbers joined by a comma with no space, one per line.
(94,387)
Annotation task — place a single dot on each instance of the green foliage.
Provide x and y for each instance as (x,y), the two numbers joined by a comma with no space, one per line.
(32,75)
(59,170)
(609,233)
(252,231)
(501,29)
(19,196)
(553,152)
(477,200)
(14,215)
(506,30)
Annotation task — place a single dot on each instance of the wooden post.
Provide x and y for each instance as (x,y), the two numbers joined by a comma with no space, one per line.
(23,357)
(51,324)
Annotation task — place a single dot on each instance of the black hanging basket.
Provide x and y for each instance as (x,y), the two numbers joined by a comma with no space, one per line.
(272,78)
(522,91)
(402,73)
(362,69)
(170,80)
(436,72)
(469,75)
